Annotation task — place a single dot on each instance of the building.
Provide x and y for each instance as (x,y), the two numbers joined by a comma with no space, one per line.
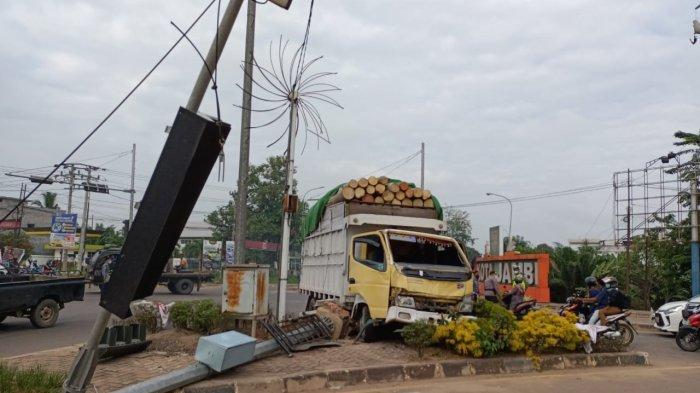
(32,216)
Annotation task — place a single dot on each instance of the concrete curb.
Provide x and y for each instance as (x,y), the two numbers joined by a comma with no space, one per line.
(336,379)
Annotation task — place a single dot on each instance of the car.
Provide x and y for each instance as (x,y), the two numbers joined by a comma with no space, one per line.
(668,317)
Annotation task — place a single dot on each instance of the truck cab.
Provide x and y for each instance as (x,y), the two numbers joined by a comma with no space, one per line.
(405,276)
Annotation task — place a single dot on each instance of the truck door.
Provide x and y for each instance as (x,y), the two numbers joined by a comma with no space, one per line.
(367,272)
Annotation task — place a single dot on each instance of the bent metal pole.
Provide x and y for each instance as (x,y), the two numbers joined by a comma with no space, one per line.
(86,360)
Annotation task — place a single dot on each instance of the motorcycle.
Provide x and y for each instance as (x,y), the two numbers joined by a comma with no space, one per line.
(688,337)
(617,324)
(522,308)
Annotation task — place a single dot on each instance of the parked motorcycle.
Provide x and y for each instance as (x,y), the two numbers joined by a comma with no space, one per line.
(522,308)
(617,324)
(688,337)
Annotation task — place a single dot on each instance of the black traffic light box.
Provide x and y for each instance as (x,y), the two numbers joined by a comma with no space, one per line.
(188,156)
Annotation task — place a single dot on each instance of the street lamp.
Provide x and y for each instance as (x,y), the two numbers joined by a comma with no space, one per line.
(510,218)
(303,198)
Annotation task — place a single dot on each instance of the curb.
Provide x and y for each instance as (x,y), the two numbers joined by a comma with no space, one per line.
(337,379)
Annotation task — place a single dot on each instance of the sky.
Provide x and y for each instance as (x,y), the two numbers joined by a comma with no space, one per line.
(512,97)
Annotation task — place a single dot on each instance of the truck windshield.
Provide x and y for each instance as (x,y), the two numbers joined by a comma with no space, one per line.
(424,250)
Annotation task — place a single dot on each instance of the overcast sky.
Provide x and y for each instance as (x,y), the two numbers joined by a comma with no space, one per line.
(512,97)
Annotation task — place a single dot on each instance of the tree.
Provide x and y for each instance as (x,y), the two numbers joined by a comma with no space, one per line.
(111,237)
(48,200)
(192,249)
(10,239)
(459,226)
(266,184)
(519,244)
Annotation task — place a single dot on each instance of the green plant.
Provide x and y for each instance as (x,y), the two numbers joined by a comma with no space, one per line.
(460,336)
(496,324)
(33,380)
(544,331)
(202,316)
(418,335)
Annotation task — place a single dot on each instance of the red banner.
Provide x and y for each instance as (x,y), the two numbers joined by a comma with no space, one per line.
(10,224)
(258,245)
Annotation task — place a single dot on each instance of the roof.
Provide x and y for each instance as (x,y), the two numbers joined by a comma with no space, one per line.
(197,230)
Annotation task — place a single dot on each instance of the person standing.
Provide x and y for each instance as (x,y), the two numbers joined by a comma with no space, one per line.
(476,291)
(491,291)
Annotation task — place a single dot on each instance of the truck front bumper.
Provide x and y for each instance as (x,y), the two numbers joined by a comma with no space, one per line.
(410,315)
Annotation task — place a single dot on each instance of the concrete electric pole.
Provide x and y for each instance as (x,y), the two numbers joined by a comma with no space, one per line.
(694,238)
(241,211)
(132,191)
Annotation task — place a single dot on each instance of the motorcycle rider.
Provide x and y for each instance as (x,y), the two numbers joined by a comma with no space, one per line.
(617,301)
(516,295)
(597,299)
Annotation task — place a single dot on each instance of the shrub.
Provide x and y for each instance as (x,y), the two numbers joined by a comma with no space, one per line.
(418,335)
(34,380)
(496,324)
(460,336)
(202,316)
(542,331)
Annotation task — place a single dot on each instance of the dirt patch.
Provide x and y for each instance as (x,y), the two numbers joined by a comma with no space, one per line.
(174,341)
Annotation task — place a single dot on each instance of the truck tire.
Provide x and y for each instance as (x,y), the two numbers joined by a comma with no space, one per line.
(184,286)
(171,286)
(371,332)
(44,314)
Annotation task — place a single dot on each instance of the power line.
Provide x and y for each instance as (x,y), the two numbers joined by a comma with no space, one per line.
(112,112)
(553,194)
(400,162)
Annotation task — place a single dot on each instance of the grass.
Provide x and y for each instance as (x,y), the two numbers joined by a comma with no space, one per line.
(34,380)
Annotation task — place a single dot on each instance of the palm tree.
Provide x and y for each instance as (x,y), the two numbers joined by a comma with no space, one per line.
(49,200)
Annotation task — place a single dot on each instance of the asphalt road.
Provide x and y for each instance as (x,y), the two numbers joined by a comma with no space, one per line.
(17,336)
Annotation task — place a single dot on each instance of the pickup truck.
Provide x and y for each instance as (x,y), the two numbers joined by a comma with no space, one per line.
(39,299)
(180,282)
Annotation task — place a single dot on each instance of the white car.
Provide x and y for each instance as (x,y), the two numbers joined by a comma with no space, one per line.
(668,318)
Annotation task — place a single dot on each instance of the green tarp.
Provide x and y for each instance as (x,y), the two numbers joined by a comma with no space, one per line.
(312,219)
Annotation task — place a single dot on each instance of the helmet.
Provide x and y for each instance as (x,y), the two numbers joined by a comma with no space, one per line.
(610,282)
(591,281)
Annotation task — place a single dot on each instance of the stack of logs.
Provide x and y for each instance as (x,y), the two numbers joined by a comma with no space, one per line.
(380,190)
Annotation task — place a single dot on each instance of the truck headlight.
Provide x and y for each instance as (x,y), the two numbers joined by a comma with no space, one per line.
(405,301)
(466,306)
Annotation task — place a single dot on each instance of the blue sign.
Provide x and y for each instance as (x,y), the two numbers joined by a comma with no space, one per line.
(63,228)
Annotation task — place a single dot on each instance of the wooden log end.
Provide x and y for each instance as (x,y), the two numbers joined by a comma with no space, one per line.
(380,188)
(426,194)
(362,182)
(400,195)
(348,193)
(428,203)
(383,180)
(368,198)
(370,189)
(409,193)
(352,183)
(388,196)
(403,186)
(378,199)
(396,202)
(359,192)
(418,203)
(393,187)
(406,202)
(372,181)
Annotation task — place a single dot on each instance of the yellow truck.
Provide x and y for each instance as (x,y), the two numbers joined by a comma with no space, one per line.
(385,263)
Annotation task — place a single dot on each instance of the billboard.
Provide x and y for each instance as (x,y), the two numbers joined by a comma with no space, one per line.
(534,268)
(10,224)
(63,228)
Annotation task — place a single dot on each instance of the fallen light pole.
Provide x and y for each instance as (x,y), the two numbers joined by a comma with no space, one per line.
(224,351)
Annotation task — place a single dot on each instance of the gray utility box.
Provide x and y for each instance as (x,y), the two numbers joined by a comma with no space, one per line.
(225,350)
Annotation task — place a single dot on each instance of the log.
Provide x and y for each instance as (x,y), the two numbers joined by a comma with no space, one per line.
(380,188)
(352,183)
(372,181)
(400,195)
(406,202)
(359,192)
(418,202)
(362,182)
(348,193)
(418,193)
(428,203)
(368,198)
(378,199)
(409,193)
(426,194)
(396,202)
(383,180)
(388,196)
(403,186)
(370,189)
(393,187)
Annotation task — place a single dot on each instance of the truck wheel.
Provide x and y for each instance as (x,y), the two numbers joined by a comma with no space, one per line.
(171,286)
(44,314)
(184,286)
(370,332)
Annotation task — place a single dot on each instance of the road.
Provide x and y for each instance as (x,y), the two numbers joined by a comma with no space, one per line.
(17,336)
(672,370)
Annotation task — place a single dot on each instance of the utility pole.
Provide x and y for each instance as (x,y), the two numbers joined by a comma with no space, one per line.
(86,212)
(628,242)
(695,238)
(422,165)
(71,184)
(288,208)
(20,211)
(132,191)
(241,210)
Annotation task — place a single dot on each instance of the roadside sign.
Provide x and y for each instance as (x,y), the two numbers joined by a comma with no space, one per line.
(10,224)
(63,228)
(495,241)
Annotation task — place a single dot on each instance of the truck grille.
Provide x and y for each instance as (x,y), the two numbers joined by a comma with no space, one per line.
(433,305)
